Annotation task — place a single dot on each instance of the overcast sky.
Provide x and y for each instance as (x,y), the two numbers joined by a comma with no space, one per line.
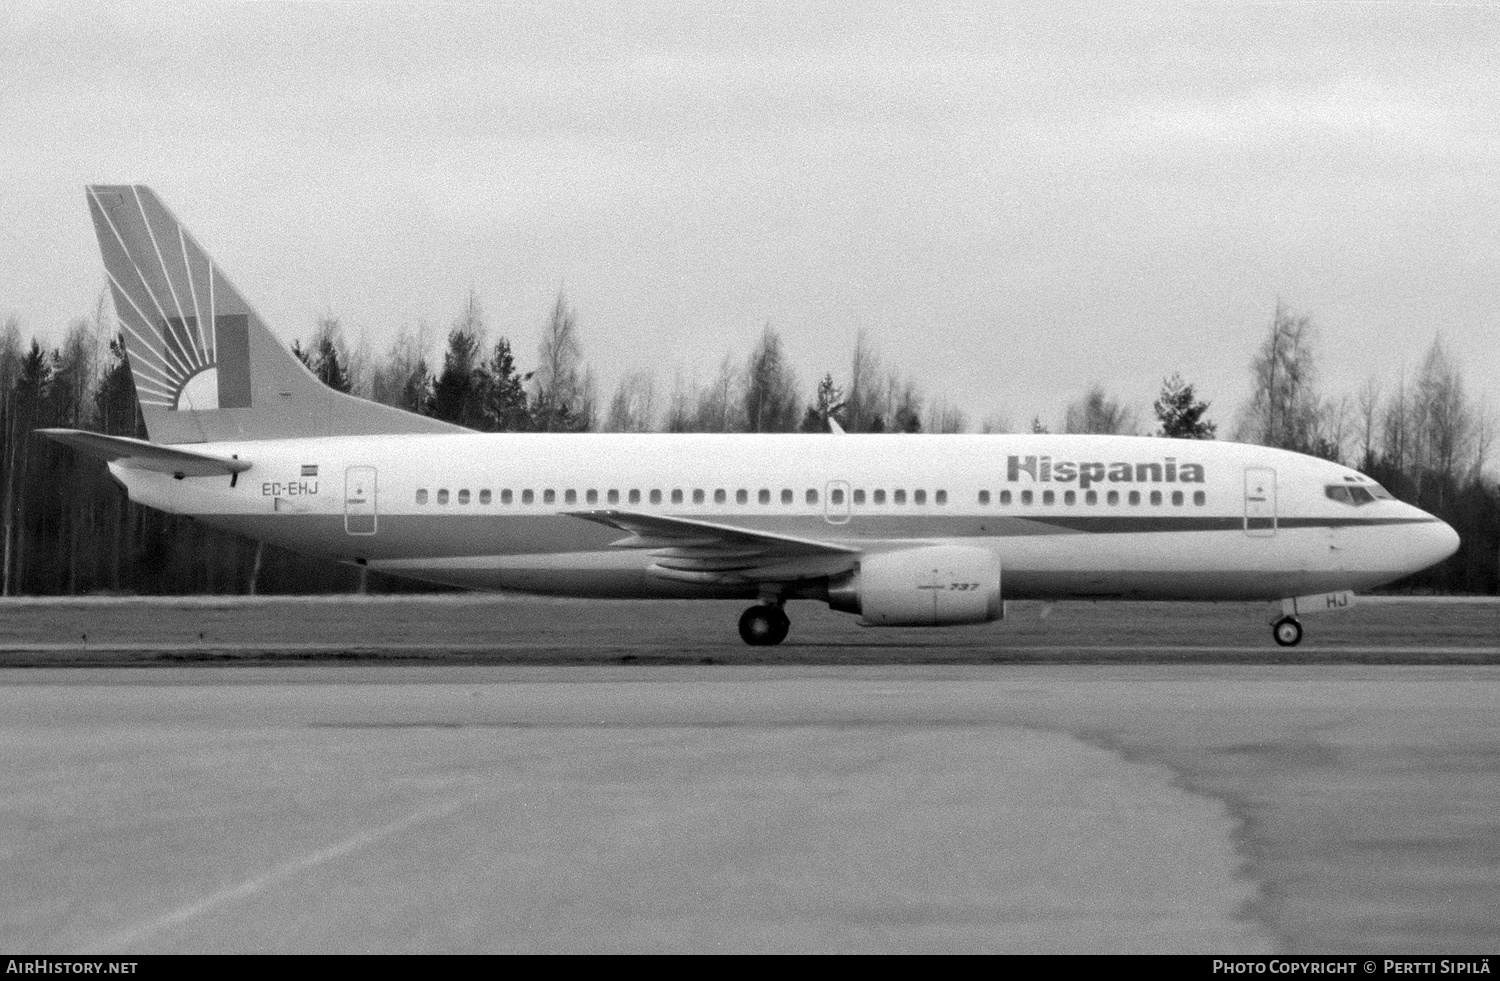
(1014,200)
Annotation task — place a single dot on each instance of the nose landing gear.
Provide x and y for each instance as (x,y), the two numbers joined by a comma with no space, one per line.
(1287,631)
(764,625)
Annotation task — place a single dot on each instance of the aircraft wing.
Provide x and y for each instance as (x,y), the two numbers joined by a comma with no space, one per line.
(705,552)
(141,455)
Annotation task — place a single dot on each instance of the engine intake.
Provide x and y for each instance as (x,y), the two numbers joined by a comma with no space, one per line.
(921,587)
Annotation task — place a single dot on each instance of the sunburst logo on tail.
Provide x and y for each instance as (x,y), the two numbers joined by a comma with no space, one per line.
(184,353)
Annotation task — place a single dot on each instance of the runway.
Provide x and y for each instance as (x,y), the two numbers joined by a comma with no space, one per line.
(1114,798)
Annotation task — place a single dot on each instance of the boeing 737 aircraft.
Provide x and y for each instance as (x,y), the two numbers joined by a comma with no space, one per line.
(900,530)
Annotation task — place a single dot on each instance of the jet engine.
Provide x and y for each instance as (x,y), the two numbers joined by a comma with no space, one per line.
(921,587)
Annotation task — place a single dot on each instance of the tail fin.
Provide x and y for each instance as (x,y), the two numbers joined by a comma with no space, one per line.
(206,367)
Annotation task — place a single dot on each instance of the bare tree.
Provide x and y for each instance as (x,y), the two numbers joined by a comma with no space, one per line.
(1283,408)
(633,407)
(1396,428)
(720,403)
(945,417)
(770,387)
(862,411)
(681,406)
(558,382)
(1367,422)
(1444,416)
(403,379)
(995,423)
(1099,412)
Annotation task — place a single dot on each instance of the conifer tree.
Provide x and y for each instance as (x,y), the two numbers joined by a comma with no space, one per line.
(1180,412)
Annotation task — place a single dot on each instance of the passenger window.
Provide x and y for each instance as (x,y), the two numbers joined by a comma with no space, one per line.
(1156,497)
(720,496)
(742,496)
(698,496)
(984,497)
(570,496)
(880,497)
(1048,497)
(812,496)
(941,497)
(1092,497)
(677,495)
(1200,498)
(614,496)
(1113,497)
(549,496)
(787,497)
(592,496)
(655,496)
(505,497)
(635,496)
(1070,497)
(1005,497)
(836,495)
(1177,497)
(463,496)
(1026,497)
(919,497)
(421,497)
(527,497)
(898,497)
(1135,497)
(859,495)
(484,496)
(442,497)
(764,496)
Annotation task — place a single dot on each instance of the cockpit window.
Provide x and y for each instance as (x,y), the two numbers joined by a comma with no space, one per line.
(1352,495)
(1380,492)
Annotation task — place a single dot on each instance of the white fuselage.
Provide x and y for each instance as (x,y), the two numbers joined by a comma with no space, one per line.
(1068,516)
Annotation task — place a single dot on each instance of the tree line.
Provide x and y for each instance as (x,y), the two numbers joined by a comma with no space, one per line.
(68,528)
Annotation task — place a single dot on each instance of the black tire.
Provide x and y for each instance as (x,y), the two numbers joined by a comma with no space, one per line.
(1287,631)
(764,626)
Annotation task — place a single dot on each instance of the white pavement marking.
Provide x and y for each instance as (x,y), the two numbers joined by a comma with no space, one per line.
(249,887)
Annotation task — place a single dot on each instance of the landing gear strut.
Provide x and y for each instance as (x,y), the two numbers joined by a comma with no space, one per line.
(1287,631)
(764,625)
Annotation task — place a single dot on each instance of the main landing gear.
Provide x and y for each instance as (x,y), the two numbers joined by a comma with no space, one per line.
(764,625)
(1287,631)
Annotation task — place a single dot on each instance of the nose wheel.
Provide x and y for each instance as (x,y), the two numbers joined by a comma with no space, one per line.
(1287,631)
(764,625)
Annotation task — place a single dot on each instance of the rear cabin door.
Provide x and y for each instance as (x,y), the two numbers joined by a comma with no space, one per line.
(359,501)
(1260,502)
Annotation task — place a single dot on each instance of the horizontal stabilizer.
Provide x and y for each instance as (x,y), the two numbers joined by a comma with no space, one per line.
(138,454)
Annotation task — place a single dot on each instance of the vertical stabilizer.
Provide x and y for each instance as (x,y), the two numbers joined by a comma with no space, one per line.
(206,367)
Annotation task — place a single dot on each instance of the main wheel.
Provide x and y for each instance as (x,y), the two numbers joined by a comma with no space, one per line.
(1287,631)
(764,626)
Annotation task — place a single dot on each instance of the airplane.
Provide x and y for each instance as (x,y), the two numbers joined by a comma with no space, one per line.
(899,530)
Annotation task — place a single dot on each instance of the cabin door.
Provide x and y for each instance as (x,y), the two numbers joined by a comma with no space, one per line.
(836,502)
(359,500)
(1260,502)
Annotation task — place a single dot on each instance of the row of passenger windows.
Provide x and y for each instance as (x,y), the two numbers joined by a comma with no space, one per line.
(1179,498)
(836,496)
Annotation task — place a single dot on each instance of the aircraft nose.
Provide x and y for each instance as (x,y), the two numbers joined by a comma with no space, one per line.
(1435,540)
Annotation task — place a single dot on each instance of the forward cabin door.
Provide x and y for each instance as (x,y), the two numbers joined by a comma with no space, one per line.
(1260,502)
(359,500)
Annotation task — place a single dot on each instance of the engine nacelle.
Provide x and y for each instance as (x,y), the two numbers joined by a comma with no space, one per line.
(921,587)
